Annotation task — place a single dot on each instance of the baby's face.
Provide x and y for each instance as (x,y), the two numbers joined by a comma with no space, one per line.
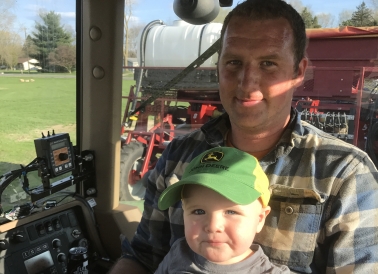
(218,229)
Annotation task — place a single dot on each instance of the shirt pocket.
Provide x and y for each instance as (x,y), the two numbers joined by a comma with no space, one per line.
(291,228)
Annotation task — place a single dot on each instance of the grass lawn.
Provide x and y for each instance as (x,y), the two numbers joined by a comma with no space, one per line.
(29,108)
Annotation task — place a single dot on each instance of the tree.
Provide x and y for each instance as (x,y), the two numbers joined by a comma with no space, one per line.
(296,4)
(10,47)
(325,20)
(344,15)
(129,5)
(311,22)
(134,31)
(64,55)
(48,35)
(6,16)
(29,48)
(362,17)
(9,41)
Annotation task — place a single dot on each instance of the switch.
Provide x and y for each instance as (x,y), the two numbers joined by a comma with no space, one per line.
(56,224)
(33,235)
(72,218)
(49,227)
(64,220)
(41,230)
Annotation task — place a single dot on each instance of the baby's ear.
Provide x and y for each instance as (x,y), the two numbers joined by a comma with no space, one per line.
(262,216)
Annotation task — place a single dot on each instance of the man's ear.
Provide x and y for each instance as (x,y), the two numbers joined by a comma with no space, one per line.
(262,216)
(302,66)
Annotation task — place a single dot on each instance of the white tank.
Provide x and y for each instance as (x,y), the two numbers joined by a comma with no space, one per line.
(180,44)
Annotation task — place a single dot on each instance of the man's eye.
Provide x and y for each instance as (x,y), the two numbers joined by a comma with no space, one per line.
(198,211)
(267,64)
(234,62)
(231,212)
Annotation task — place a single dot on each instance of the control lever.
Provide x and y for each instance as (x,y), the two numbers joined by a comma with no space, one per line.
(77,260)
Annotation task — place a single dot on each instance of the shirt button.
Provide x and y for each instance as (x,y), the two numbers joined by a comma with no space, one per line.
(289,210)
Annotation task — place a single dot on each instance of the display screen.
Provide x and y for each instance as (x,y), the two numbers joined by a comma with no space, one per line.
(58,145)
(39,263)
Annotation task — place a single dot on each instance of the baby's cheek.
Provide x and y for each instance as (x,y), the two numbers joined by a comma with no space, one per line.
(242,235)
(192,235)
(192,230)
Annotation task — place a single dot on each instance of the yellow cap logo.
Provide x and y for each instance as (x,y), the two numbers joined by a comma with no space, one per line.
(214,156)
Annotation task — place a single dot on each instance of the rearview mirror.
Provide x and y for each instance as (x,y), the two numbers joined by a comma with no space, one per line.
(197,12)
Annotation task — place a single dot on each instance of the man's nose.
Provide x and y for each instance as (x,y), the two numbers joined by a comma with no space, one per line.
(214,223)
(249,78)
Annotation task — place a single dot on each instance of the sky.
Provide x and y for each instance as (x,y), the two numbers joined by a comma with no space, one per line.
(145,11)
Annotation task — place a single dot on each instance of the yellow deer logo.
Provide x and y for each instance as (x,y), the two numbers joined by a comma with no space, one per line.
(214,156)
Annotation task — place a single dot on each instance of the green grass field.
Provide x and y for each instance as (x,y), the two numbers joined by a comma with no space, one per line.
(29,108)
(46,102)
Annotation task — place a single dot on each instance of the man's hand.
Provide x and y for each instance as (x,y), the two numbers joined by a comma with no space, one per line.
(128,266)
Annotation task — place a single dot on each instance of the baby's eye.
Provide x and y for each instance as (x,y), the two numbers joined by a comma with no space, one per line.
(198,211)
(231,212)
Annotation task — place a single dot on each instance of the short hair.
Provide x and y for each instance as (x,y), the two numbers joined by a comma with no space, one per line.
(272,9)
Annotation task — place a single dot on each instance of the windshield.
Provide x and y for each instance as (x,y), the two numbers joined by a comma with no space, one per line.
(37,83)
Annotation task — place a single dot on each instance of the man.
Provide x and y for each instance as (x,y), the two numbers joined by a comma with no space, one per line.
(324,211)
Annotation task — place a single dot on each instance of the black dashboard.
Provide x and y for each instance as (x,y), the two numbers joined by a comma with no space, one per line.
(40,243)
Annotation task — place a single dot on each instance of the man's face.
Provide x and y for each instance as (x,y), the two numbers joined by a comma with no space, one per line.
(218,229)
(256,73)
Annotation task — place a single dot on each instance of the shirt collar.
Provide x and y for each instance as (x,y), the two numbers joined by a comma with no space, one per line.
(216,133)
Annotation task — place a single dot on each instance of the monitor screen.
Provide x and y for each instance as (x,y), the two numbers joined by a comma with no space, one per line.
(39,263)
(58,145)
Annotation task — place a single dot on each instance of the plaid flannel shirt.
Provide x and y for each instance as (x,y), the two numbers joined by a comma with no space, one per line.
(324,216)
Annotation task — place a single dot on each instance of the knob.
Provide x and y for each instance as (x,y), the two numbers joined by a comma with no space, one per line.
(61,257)
(76,233)
(19,237)
(63,156)
(4,244)
(56,243)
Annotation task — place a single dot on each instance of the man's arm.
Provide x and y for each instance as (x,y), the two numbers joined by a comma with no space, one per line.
(128,266)
(352,229)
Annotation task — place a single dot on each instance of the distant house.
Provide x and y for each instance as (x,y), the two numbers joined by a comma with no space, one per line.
(25,63)
(132,62)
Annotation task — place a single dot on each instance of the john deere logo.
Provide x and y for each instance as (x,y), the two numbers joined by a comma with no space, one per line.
(214,156)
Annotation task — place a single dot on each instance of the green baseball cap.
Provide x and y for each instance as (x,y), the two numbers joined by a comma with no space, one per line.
(232,173)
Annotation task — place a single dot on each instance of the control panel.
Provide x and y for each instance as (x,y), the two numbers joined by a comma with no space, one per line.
(57,152)
(41,246)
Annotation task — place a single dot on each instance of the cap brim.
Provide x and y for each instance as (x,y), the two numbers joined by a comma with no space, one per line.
(242,194)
